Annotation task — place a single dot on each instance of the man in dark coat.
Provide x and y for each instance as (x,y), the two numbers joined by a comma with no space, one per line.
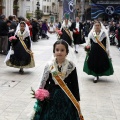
(35,30)
(3,35)
(77,27)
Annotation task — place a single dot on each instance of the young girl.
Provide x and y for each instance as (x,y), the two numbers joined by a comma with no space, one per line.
(97,62)
(22,56)
(59,106)
(66,34)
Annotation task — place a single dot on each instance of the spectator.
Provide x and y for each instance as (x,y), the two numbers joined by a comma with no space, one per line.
(3,35)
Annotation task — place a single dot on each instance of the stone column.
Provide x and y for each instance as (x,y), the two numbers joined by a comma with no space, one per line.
(8,10)
(60,11)
(11,7)
(82,8)
(5,9)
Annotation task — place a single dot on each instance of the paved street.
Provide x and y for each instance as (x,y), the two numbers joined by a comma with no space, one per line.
(100,101)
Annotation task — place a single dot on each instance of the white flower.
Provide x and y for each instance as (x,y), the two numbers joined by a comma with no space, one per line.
(94,34)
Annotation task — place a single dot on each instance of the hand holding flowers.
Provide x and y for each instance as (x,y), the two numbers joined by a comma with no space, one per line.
(41,94)
(87,48)
(59,32)
(12,38)
(76,31)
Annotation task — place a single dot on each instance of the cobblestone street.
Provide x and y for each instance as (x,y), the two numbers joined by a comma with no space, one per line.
(100,101)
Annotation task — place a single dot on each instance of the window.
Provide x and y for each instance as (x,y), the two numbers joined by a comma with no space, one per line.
(44,8)
(48,9)
(27,8)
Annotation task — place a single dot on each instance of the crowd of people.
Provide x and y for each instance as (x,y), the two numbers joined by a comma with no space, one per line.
(8,26)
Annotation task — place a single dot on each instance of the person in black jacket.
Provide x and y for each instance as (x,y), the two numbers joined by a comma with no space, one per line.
(77,27)
(13,25)
(3,35)
(35,30)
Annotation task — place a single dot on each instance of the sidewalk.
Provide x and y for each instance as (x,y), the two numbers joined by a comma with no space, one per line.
(100,101)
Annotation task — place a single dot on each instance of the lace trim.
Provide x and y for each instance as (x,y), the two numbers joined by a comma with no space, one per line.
(102,35)
(45,76)
(67,68)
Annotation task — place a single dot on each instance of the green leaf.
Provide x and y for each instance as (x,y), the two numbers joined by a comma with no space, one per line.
(33,97)
(32,90)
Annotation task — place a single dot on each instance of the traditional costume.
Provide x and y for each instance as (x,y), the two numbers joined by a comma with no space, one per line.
(59,106)
(98,62)
(66,33)
(20,54)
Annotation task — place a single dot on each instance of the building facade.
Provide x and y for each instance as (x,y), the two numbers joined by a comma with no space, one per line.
(6,7)
(28,7)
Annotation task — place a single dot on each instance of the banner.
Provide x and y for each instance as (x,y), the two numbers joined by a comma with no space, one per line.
(106,9)
(68,9)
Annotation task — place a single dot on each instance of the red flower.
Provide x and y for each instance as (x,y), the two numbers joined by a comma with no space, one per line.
(87,48)
(76,31)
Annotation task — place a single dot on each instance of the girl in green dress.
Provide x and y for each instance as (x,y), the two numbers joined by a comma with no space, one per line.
(98,62)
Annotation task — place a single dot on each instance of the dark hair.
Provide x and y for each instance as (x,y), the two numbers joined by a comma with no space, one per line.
(10,17)
(97,21)
(22,22)
(61,42)
(8,21)
(2,16)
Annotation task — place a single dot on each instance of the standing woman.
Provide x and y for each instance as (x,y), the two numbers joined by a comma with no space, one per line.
(98,62)
(22,56)
(66,34)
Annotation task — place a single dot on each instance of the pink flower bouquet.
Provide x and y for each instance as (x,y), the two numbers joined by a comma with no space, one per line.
(12,38)
(41,94)
(59,32)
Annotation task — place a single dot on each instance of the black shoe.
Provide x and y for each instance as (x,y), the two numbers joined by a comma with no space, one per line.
(21,71)
(96,79)
(76,52)
(47,37)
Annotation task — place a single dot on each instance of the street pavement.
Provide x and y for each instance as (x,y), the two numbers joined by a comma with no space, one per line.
(100,101)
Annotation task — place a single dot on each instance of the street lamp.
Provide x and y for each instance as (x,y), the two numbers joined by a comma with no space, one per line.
(38,5)
(38,10)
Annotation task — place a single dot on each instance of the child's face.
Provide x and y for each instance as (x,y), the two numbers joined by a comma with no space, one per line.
(60,51)
(22,27)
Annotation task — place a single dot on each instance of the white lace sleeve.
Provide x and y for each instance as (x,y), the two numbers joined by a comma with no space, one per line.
(88,40)
(108,47)
(45,76)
